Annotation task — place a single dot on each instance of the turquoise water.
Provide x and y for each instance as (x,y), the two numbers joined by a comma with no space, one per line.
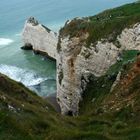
(36,72)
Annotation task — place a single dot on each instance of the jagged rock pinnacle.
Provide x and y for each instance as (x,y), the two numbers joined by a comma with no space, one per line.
(33,21)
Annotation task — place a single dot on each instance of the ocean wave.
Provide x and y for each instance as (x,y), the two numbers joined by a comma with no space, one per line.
(5,41)
(28,78)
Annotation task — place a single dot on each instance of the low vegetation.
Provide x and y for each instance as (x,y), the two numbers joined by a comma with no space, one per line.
(25,116)
(106,25)
(119,108)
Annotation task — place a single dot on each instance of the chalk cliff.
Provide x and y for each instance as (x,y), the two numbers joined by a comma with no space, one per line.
(78,59)
(76,63)
(39,38)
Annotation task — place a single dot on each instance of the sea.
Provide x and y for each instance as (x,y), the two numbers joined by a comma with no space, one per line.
(37,72)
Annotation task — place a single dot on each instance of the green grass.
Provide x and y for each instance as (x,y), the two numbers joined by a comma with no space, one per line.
(126,57)
(118,125)
(98,88)
(106,25)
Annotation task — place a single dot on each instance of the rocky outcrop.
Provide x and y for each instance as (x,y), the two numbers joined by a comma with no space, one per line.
(116,81)
(39,38)
(76,63)
(125,90)
(130,38)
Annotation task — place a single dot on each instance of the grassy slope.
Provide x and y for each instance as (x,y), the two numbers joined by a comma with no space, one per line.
(123,119)
(29,116)
(32,118)
(106,25)
(99,87)
(25,116)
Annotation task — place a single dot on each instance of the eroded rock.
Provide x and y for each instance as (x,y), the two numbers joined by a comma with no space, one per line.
(39,38)
(75,60)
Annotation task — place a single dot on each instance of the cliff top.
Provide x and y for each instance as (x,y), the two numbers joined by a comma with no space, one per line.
(33,21)
(106,25)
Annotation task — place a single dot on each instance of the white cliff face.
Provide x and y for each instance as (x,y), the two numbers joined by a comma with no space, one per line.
(41,38)
(130,38)
(76,62)
(68,84)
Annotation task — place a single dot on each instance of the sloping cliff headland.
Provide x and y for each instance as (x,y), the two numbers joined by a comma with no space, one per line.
(86,47)
(39,38)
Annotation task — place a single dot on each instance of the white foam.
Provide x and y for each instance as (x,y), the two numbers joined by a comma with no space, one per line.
(28,78)
(18,34)
(5,41)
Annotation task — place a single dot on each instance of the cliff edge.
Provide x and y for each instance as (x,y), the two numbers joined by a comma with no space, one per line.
(89,46)
(86,47)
